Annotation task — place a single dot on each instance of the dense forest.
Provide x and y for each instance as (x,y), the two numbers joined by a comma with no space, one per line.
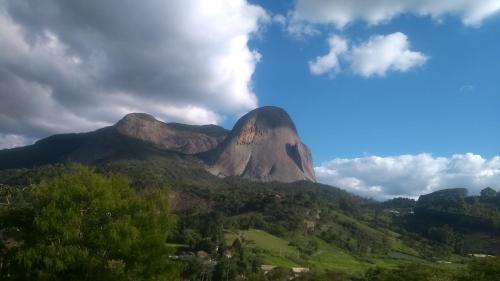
(157,220)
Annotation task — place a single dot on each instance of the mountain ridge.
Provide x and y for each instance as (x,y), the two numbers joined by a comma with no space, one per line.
(186,139)
(263,146)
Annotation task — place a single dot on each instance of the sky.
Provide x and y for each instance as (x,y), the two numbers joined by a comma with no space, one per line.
(393,97)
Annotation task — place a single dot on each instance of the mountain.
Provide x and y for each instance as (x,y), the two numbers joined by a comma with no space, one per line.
(262,146)
(93,148)
(136,136)
(187,139)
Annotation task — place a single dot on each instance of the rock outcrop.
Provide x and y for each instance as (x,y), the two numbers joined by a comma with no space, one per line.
(263,145)
(187,139)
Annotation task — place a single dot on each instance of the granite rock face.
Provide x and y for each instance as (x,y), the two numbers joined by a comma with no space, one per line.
(187,139)
(264,146)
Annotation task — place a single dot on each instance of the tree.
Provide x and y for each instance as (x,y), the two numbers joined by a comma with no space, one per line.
(279,274)
(484,269)
(410,272)
(488,193)
(443,234)
(84,226)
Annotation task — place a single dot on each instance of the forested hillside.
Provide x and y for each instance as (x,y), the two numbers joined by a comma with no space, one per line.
(232,227)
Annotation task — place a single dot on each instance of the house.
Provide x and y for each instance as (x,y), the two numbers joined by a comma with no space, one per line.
(480,255)
(299,270)
(394,212)
(267,267)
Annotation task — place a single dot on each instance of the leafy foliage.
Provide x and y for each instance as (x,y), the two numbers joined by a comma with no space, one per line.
(486,269)
(411,272)
(84,226)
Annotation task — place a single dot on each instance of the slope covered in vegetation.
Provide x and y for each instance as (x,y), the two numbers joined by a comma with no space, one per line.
(230,228)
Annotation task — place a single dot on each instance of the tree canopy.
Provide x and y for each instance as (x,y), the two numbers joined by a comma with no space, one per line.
(85,226)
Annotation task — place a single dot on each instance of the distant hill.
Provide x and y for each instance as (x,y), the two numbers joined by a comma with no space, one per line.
(466,224)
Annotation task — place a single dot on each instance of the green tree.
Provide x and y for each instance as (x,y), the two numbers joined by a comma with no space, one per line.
(488,193)
(485,269)
(279,274)
(84,226)
(410,272)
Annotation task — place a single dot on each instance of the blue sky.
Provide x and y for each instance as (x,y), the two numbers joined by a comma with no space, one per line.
(393,97)
(447,106)
(402,134)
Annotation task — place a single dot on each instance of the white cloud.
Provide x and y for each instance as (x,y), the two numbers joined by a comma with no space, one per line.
(341,12)
(466,88)
(410,175)
(11,141)
(79,65)
(374,57)
(330,62)
(384,53)
(280,19)
(299,29)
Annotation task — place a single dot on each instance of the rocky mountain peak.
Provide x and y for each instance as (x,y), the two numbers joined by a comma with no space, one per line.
(132,119)
(266,118)
(187,139)
(264,145)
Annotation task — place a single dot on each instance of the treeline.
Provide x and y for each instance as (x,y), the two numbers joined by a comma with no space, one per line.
(282,209)
(461,224)
(453,206)
(486,269)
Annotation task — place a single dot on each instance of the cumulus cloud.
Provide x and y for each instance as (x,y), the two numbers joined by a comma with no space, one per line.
(293,25)
(410,175)
(374,57)
(78,65)
(330,62)
(340,12)
(384,53)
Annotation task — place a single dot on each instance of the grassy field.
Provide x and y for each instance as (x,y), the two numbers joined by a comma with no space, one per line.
(337,260)
(265,241)
(280,261)
(393,237)
(278,251)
